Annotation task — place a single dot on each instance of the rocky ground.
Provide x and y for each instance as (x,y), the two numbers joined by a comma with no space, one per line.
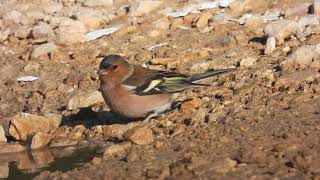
(259,122)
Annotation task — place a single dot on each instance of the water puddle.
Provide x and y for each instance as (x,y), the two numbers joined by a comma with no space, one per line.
(26,165)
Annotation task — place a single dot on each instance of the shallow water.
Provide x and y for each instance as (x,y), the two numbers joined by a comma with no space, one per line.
(28,164)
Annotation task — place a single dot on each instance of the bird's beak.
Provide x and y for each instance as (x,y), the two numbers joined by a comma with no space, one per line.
(102,72)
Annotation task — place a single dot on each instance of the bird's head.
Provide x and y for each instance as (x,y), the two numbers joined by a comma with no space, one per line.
(113,68)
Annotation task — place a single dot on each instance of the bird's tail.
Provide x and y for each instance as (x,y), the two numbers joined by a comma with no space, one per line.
(210,73)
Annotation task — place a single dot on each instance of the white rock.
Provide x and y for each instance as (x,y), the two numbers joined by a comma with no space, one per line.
(84,99)
(145,6)
(99,33)
(225,3)
(94,3)
(27,78)
(281,29)
(270,46)
(316,7)
(221,18)
(3,138)
(247,62)
(22,32)
(193,8)
(308,20)
(43,49)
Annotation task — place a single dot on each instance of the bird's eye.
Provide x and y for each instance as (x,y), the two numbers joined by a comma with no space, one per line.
(114,66)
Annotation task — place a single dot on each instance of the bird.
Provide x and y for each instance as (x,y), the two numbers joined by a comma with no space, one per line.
(135,92)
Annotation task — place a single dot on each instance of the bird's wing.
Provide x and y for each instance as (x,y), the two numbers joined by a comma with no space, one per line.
(148,82)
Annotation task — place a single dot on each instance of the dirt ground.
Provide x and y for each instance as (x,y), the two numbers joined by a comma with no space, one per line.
(259,122)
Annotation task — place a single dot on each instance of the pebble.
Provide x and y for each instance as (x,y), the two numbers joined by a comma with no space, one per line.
(116,131)
(202,21)
(4,34)
(24,124)
(192,104)
(14,16)
(95,3)
(270,46)
(34,14)
(40,140)
(116,149)
(3,138)
(316,7)
(162,23)
(140,135)
(70,32)
(308,20)
(221,18)
(302,57)
(297,10)
(248,62)
(144,7)
(42,30)
(281,29)
(22,32)
(52,7)
(82,99)
(90,18)
(43,49)
(223,166)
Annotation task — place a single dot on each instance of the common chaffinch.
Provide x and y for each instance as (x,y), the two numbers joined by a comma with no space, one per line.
(136,92)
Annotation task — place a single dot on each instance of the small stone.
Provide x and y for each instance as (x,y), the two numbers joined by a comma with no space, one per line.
(116,131)
(43,49)
(70,32)
(3,138)
(202,21)
(52,7)
(248,62)
(40,140)
(270,46)
(154,33)
(25,124)
(11,147)
(42,30)
(297,10)
(223,166)
(221,18)
(192,104)
(83,99)
(4,34)
(77,132)
(315,64)
(286,49)
(96,3)
(116,149)
(91,19)
(162,61)
(145,6)
(22,32)
(302,57)
(34,14)
(162,23)
(199,116)
(308,20)
(281,29)
(140,135)
(14,16)
(316,7)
